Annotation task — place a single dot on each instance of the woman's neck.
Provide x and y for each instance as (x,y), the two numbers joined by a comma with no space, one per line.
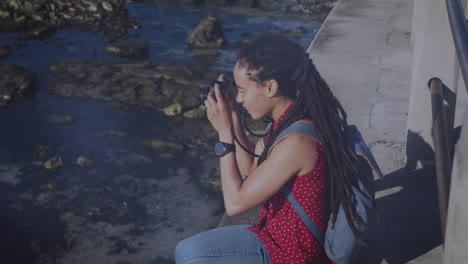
(280,107)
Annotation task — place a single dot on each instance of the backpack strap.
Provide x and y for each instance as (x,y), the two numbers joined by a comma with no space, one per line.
(301,127)
(362,150)
(303,215)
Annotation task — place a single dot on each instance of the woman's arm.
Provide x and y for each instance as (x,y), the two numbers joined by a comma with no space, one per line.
(295,155)
(245,160)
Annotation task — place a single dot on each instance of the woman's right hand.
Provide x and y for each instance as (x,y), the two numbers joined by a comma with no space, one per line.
(230,99)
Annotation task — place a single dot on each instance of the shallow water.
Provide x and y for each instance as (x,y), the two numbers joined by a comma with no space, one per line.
(128,205)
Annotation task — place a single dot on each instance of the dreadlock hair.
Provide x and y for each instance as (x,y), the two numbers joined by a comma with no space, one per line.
(274,56)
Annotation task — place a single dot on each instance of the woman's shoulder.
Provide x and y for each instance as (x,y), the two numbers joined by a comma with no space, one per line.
(297,145)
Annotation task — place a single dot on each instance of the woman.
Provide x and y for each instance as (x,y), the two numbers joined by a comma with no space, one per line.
(276,78)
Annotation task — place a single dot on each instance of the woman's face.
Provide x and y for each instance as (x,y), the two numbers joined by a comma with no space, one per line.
(251,95)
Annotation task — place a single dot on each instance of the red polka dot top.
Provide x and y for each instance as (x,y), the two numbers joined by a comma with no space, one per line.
(280,228)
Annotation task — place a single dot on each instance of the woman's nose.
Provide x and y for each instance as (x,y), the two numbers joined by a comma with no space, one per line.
(239,99)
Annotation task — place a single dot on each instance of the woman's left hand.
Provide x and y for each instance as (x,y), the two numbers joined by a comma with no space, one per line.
(219,115)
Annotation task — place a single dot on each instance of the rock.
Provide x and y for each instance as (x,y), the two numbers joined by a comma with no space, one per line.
(92,7)
(129,49)
(158,144)
(16,83)
(82,161)
(196,113)
(53,163)
(296,33)
(107,6)
(41,151)
(102,209)
(5,51)
(247,3)
(33,16)
(317,8)
(4,14)
(61,120)
(167,149)
(40,32)
(15,4)
(51,186)
(172,110)
(208,34)
(171,86)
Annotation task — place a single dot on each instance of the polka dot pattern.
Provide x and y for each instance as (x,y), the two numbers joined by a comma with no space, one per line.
(286,237)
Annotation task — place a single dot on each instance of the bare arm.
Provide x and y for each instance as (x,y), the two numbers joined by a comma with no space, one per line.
(245,161)
(295,155)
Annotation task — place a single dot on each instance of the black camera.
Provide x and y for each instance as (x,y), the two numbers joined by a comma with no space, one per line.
(204,91)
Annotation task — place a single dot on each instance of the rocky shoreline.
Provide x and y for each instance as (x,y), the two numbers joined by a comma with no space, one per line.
(41,18)
(122,216)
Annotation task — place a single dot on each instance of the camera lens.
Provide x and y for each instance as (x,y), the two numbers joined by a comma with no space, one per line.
(204,91)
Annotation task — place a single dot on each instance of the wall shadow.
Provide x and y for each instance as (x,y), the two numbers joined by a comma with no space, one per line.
(409,218)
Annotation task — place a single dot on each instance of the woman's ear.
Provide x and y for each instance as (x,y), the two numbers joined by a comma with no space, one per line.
(272,88)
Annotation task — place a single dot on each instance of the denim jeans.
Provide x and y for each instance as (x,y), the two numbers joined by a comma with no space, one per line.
(225,245)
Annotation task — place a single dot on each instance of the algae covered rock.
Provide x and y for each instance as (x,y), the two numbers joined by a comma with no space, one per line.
(208,34)
(170,87)
(167,149)
(197,113)
(53,163)
(41,151)
(61,120)
(129,49)
(5,51)
(82,161)
(16,83)
(172,110)
(41,18)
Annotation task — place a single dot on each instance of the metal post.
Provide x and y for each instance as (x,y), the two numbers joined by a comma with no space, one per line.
(442,149)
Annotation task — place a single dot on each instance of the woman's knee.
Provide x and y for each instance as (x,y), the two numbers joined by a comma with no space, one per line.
(182,251)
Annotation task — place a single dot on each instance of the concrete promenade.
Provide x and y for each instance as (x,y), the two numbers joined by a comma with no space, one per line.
(363,50)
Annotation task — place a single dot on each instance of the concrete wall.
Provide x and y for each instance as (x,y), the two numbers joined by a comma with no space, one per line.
(456,234)
(433,56)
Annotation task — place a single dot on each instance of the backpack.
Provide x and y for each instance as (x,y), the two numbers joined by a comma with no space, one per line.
(340,243)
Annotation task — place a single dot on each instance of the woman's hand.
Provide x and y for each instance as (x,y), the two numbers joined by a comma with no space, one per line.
(220,115)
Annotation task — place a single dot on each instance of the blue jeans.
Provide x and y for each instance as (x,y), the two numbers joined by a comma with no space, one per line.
(225,245)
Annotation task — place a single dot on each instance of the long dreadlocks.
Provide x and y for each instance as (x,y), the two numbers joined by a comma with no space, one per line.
(275,57)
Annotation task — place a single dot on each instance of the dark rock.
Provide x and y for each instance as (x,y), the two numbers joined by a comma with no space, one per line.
(82,161)
(296,33)
(61,120)
(5,51)
(129,49)
(317,8)
(53,163)
(106,210)
(41,151)
(274,30)
(16,83)
(208,34)
(153,85)
(166,149)
(40,18)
